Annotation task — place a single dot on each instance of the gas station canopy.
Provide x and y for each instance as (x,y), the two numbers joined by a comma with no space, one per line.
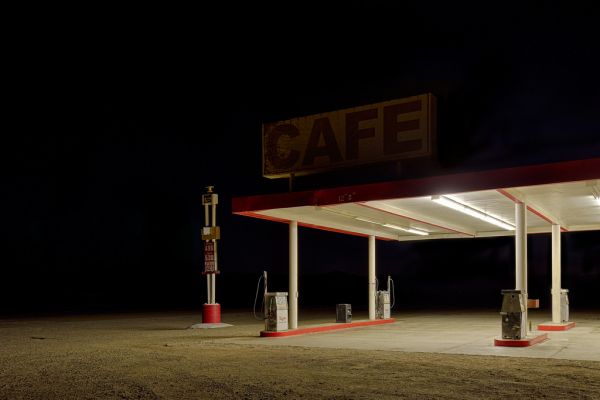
(466,205)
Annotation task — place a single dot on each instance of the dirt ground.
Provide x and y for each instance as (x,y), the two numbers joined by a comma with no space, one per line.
(155,356)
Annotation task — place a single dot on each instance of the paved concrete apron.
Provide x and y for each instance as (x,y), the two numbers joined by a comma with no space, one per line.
(452,333)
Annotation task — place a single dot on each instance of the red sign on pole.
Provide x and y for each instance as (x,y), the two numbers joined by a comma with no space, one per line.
(209,257)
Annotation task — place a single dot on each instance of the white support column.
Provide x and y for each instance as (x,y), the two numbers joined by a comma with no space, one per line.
(521,254)
(293,276)
(208,289)
(556,272)
(372,293)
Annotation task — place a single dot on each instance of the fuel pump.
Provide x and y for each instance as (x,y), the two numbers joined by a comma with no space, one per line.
(275,307)
(382,304)
(514,324)
(564,305)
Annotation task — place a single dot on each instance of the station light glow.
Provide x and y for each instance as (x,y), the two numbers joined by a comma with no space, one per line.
(366,220)
(596,194)
(409,230)
(465,209)
(396,227)
(370,221)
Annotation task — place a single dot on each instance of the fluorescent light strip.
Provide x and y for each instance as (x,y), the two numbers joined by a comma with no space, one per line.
(465,209)
(409,230)
(329,210)
(366,220)
(399,228)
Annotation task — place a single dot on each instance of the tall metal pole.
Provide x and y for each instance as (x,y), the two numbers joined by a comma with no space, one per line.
(211,310)
(556,272)
(293,275)
(208,289)
(372,277)
(521,254)
(213,277)
(209,285)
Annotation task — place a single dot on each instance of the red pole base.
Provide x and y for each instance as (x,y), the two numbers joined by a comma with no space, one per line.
(211,313)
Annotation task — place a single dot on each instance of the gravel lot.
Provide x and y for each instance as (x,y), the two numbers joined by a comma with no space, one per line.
(156,356)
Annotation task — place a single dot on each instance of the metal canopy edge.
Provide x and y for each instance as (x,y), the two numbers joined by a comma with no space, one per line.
(540,174)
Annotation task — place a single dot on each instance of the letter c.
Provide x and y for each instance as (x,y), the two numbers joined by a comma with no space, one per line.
(272,152)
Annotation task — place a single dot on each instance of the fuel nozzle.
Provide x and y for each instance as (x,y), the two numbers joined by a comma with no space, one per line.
(265,281)
(391,291)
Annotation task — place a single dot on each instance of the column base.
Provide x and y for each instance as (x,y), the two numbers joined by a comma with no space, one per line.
(556,326)
(211,313)
(533,338)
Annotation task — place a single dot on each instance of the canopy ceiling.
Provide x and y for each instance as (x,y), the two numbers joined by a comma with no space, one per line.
(560,193)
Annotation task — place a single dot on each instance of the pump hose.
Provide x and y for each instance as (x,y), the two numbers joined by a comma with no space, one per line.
(393,294)
(255,299)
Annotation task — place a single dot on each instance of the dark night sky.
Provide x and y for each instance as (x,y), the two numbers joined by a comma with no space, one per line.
(114,135)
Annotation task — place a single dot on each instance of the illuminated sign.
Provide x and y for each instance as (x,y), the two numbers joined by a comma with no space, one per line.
(387,131)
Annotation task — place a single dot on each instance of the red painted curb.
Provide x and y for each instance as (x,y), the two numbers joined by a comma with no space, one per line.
(521,342)
(326,328)
(556,327)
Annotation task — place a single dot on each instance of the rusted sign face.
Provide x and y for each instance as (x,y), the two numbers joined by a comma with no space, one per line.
(391,130)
